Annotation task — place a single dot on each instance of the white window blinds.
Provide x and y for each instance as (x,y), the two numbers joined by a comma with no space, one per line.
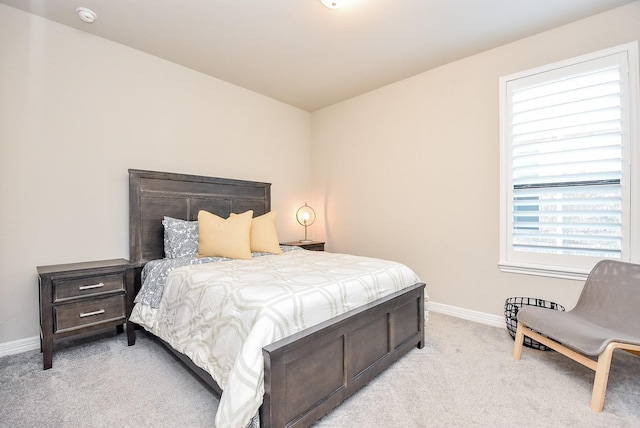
(567,165)
(566,140)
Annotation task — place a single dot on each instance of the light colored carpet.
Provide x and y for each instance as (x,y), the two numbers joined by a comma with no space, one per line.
(464,377)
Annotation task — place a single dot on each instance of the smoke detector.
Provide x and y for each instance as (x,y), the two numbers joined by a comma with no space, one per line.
(86,15)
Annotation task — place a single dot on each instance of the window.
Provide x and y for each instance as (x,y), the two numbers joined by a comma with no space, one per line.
(567,141)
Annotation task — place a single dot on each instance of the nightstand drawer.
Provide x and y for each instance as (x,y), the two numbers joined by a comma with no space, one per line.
(314,247)
(308,245)
(71,288)
(89,312)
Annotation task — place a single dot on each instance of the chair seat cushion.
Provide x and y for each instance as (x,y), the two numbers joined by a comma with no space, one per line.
(573,330)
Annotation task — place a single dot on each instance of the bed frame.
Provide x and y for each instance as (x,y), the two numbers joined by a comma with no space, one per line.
(313,371)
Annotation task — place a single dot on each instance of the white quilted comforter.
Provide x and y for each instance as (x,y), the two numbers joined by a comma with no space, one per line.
(221,314)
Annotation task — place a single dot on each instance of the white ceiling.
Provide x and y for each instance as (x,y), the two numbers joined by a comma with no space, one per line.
(309,56)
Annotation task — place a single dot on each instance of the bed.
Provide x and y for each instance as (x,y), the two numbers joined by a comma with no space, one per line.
(307,373)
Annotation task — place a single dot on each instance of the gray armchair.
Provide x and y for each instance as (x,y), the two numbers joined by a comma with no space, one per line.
(606,317)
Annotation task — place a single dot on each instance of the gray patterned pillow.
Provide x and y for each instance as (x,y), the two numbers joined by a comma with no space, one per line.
(180,238)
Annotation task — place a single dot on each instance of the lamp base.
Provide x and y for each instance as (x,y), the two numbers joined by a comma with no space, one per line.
(306,241)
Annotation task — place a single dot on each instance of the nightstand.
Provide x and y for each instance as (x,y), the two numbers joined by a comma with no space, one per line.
(311,246)
(79,298)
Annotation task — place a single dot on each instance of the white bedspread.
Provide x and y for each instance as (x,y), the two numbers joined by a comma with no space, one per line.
(221,314)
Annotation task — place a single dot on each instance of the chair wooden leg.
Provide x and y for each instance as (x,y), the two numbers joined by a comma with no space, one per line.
(517,346)
(602,378)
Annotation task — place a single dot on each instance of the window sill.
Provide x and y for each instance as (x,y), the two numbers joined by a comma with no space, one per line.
(547,271)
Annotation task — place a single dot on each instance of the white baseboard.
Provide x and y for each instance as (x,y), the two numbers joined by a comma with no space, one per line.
(18,346)
(467,314)
(32,343)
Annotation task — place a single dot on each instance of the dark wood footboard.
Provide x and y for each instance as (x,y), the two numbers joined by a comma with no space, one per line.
(311,372)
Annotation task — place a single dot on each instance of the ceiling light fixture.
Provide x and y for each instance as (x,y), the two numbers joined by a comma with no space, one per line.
(333,4)
(86,15)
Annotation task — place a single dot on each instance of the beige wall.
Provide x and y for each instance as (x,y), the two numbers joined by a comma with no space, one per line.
(408,172)
(77,111)
(411,171)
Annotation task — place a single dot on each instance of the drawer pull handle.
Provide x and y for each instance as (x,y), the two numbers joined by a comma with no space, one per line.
(89,287)
(89,314)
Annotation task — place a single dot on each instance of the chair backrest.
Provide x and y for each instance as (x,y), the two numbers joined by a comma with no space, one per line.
(611,296)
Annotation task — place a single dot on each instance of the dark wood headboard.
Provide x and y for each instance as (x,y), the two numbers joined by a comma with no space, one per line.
(153,195)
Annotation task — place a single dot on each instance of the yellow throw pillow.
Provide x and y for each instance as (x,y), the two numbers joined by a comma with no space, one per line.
(220,237)
(264,237)
(263,234)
